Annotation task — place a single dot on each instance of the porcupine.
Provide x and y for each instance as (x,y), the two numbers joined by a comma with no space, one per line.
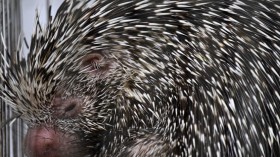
(151,78)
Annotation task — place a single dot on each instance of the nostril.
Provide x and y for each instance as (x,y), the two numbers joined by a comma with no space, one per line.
(70,107)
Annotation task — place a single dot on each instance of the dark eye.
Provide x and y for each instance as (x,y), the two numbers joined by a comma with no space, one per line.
(65,108)
(70,107)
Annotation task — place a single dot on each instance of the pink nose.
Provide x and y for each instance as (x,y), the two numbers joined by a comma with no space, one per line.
(42,142)
(45,141)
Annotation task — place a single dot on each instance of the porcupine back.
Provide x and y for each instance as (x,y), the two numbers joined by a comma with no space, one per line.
(194,78)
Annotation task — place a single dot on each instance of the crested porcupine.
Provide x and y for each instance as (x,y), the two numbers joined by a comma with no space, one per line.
(151,78)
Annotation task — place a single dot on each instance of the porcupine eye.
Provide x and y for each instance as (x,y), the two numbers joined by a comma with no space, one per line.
(66,108)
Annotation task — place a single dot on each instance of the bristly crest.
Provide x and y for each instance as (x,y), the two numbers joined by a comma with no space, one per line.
(30,82)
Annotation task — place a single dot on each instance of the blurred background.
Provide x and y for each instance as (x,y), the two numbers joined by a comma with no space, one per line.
(17,21)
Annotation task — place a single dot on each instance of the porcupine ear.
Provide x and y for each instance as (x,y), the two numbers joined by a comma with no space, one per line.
(92,63)
(97,65)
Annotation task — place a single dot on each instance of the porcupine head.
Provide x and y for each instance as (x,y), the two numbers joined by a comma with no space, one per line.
(91,82)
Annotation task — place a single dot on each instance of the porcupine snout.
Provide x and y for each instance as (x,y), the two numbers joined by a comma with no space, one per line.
(47,140)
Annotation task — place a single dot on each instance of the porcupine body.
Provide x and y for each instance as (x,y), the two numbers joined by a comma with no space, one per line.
(154,78)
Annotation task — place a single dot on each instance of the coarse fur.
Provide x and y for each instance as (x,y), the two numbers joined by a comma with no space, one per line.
(176,78)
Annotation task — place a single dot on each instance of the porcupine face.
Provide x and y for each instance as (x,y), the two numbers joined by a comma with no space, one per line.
(150,78)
